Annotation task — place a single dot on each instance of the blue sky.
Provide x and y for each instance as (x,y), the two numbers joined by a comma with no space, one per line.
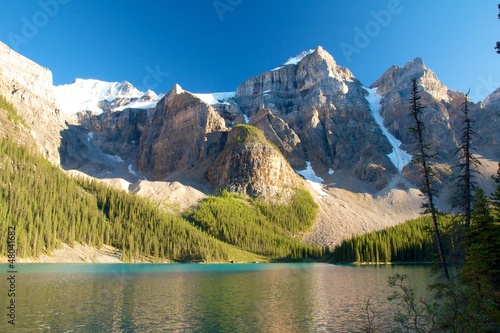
(214,45)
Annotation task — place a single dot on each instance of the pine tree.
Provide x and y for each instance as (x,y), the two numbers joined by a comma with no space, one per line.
(422,159)
(468,164)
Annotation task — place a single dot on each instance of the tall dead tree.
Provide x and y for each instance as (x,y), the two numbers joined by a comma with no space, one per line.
(422,159)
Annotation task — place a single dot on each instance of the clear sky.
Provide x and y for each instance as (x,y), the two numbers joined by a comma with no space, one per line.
(214,45)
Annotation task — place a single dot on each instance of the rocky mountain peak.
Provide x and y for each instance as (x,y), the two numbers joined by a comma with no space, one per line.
(318,66)
(321,52)
(98,96)
(319,55)
(312,74)
(124,88)
(417,65)
(399,78)
(149,95)
(493,99)
(174,91)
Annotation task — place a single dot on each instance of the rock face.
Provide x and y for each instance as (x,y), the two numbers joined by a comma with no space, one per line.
(99,142)
(250,165)
(29,87)
(442,115)
(277,131)
(487,123)
(182,132)
(117,133)
(317,112)
(21,72)
(493,99)
(395,87)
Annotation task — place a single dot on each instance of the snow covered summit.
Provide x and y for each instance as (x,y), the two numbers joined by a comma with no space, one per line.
(89,95)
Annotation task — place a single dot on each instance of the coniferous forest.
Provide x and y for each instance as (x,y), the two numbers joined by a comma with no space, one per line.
(411,241)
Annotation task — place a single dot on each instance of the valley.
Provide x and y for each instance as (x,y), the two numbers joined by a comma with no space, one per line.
(308,124)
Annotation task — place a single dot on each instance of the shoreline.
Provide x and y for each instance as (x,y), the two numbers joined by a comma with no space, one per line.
(84,254)
(78,254)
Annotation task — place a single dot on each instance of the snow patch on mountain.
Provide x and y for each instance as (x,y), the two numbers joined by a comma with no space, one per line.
(295,60)
(312,179)
(115,158)
(138,105)
(131,171)
(398,157)
(216,98)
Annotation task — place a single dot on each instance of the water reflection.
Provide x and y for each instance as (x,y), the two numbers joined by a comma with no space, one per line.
(200,298)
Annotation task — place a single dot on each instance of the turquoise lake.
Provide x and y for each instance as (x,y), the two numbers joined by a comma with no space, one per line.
(199,297)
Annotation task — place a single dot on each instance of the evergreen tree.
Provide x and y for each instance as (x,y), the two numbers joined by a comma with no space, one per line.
(422,158)
(468,164)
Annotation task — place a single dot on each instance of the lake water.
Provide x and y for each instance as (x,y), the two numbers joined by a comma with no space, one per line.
(198,297)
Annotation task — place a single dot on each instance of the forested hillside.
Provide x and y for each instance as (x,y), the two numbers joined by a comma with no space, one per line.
(49,208)
(411,241)
(259,227)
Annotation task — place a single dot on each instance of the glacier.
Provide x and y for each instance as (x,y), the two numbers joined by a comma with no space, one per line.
(85,95)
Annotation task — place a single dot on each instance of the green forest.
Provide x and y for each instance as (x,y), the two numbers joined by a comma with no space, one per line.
(411,241)
(49,208)
(259,227)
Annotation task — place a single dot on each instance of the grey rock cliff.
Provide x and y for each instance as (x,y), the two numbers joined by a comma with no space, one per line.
(181,133)
(29,87)
(395,87)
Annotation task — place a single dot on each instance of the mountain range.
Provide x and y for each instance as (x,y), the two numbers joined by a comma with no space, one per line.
(313,125)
